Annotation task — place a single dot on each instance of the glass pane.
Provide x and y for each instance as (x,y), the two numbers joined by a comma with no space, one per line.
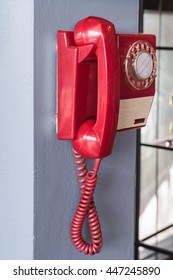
(153,21)
(162,240)
(165,239)
(156,196)
(161,128)
(166,29)
(148,199)
(146,254)
(165,94)
(151,24)
(165,189)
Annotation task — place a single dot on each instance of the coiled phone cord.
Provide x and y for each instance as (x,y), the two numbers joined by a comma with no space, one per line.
(86,208)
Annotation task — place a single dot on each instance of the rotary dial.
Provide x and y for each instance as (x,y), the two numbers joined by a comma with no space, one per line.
(140,65)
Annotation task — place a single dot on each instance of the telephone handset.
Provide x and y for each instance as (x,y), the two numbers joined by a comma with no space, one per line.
(106,82)
(95,136)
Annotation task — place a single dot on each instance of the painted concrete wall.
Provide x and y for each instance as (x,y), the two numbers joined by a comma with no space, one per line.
(16,127)
(56,194)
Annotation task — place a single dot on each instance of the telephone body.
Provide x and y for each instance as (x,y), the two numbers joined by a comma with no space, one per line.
(106,83)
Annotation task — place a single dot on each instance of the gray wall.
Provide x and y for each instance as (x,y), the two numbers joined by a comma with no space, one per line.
(56,194)
(16,126)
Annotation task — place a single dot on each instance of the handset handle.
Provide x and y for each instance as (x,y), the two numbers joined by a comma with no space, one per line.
(95,137)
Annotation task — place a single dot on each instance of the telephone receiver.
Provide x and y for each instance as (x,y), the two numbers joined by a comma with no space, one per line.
(96,134)
(106,83)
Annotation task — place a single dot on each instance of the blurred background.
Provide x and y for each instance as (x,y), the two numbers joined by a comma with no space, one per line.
(154,200)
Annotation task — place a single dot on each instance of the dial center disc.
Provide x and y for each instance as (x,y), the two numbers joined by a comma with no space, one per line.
(143,65)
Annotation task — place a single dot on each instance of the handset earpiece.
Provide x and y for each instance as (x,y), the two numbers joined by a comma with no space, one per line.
(95,137)
(88,31)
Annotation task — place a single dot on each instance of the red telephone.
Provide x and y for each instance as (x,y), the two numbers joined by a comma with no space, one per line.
(106,82)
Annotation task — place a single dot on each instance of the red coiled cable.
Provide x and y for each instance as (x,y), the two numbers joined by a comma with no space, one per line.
(86,208)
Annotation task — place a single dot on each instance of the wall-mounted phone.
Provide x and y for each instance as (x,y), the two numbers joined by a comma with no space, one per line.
(106,83)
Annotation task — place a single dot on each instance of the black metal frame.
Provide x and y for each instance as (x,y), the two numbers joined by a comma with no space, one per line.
(164,5)
(142,243)
(138,156)
(137,206)
(157,146)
